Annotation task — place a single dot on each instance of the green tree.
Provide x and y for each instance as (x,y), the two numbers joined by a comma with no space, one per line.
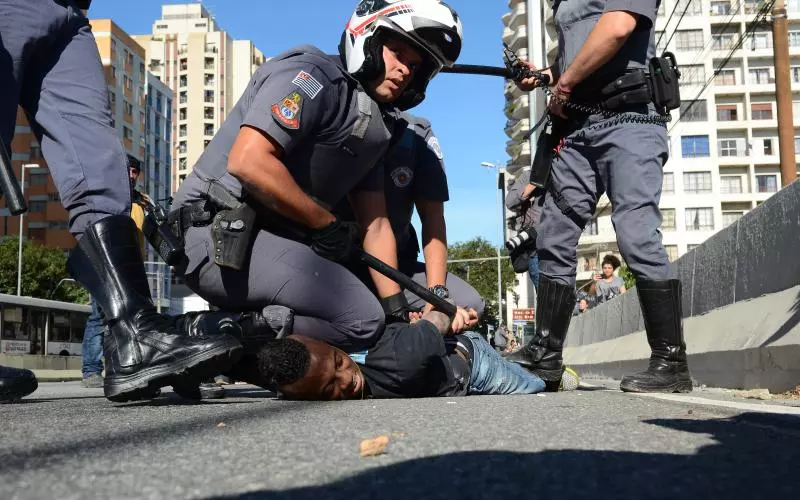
(42,269)
(482,275)
(627,276)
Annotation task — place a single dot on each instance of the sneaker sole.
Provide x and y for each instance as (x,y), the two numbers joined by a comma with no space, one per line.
(142,384)
(569,380)
(682,387)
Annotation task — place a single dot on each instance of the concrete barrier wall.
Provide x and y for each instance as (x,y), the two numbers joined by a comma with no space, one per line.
(754,258)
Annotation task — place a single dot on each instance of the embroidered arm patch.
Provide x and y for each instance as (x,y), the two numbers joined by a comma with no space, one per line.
(287,111)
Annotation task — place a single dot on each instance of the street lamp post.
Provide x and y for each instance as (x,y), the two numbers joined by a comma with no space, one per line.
(21,216)
(497,168)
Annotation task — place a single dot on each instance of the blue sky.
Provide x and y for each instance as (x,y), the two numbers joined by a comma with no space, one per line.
(466,111)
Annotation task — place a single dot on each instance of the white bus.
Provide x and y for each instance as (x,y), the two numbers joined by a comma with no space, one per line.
(39,326)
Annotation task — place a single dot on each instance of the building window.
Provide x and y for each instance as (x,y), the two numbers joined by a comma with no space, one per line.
(795,74)
(668,219)
(209,63)
(760,76)
(720,8)
(768,147)
(694,74)
(760,41)
(727,113)
(182,114)
(767,183)
(208,113)
(689,40)
(182,97)
(206,143)
(797,145)
(697,182)
(182,131)
(723,41)
(182,80)
(37,206)
(39,179)
(725,77)
(184,64)
(162,26)
(729,218)
(668,183)
(794,38)
(761,111)
(208,129)
(672,252)
(694,7)
(730,184)
(731,147)
(182,147)
(208,79)
(694,146)
(182,166)
(694,111)
(53,197)
(127,133)
(699,219)
(36,152)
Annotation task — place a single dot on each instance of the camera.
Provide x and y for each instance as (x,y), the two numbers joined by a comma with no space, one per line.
(525,237)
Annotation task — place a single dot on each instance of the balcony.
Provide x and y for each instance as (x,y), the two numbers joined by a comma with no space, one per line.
(517,108)
(506,18)
(508,34)
(516,129)
(520,152)
(520,39)
(519,15)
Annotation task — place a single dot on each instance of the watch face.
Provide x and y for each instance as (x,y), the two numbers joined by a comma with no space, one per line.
(441,292)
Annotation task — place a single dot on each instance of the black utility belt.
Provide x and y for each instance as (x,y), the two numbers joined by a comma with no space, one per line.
(659,85)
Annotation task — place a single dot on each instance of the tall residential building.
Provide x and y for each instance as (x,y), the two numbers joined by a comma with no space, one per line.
(156,174)
(207,72)
(723,149)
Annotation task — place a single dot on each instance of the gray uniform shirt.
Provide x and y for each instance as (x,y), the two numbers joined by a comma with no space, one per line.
(332,134)
(575,19)
(414,170)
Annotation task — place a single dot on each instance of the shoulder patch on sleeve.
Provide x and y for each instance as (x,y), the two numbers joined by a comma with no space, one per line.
(308,83)
(433,144)
(287,111)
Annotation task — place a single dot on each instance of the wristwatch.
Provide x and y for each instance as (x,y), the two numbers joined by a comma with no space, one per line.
(440,291)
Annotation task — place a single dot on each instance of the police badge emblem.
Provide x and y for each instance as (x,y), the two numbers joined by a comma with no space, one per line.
(287,110)
(402,176)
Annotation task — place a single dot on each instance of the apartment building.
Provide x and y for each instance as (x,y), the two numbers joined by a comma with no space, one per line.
(207,71)
(723,149)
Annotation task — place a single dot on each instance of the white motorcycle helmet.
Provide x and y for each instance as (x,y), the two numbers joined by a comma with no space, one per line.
(429,25)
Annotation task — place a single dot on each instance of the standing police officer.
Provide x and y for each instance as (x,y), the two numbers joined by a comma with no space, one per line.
(50,66)
(603,43)
(310,131)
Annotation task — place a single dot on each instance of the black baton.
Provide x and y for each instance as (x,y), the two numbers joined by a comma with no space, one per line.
(9,185)
(401,279)
(474,69)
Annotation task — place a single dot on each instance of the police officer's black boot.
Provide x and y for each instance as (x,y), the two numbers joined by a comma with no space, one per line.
(542,355)
(142,349)
(16,383)
(668,370)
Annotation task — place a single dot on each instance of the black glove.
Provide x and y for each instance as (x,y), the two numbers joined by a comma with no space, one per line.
(337,241)
(396,308)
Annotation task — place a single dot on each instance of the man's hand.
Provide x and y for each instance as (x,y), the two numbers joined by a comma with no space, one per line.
(561,95)
(527,192)
(337,241)
(464,319)
(528,84)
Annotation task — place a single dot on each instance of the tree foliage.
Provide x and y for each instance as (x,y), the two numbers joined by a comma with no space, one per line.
(482,275)
(627,276)
(42,269)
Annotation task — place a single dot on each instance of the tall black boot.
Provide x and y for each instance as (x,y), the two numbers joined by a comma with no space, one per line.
(16,383)
(142,349)
(668,370)
(542,355)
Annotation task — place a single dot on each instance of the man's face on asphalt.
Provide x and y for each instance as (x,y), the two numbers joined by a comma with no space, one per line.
(401,62)
(331,375)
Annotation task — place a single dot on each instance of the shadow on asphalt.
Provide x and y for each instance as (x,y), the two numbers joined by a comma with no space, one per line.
(751,459)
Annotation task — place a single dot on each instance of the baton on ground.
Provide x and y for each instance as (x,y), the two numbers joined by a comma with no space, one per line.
(474,69)
(401,279)
(9,185)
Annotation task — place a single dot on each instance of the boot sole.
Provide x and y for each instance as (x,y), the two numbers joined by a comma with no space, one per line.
(142,384)
(682,387)
(13,394)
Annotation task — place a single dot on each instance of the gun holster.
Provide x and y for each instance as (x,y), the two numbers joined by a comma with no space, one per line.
(232,232)
(664,76)
(158,231)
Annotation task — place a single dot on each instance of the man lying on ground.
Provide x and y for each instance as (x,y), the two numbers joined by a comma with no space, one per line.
(408,361)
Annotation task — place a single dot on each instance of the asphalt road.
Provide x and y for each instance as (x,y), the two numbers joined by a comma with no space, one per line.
(67,442)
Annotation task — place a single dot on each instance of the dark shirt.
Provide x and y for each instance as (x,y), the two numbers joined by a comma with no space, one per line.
(416,361)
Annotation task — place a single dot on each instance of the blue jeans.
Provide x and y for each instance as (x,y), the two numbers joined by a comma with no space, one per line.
(491,374)
(533,269)
(93,343)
